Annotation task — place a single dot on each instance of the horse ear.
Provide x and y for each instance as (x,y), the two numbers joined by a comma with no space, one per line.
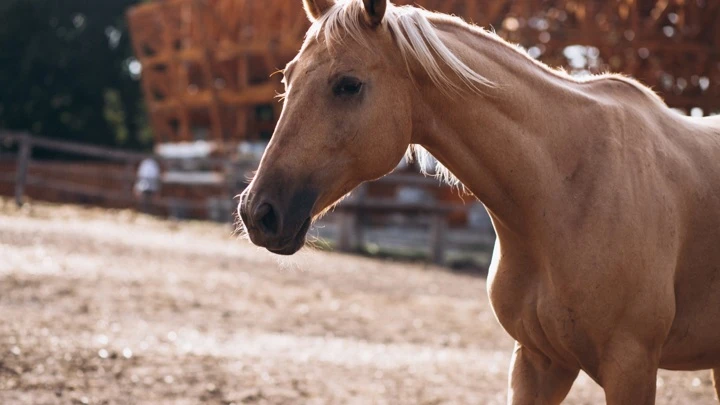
(316,8)
(375,11)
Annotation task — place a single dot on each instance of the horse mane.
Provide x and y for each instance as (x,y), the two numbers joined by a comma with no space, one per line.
(416,37)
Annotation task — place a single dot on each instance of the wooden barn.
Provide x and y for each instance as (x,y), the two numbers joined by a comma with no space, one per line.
(208,64)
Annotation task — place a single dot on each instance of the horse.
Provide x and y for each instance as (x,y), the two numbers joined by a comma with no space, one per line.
(605,202)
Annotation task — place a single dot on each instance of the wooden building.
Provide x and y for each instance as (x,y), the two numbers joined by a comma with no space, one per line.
(208,64)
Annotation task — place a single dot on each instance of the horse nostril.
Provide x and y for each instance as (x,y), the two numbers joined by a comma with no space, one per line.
(266,219)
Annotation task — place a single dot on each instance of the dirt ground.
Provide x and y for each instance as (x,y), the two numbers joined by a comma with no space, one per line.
(110,307)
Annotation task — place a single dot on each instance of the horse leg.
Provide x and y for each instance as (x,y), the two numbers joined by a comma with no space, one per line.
(716,382)
(628,373)
(536,380)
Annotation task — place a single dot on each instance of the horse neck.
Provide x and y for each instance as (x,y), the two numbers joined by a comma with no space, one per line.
(509,147)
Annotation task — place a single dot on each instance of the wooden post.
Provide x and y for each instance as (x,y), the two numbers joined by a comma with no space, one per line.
(22,167)
(437,238)
(358,224)
(350,231)
(130,177)
(345,228)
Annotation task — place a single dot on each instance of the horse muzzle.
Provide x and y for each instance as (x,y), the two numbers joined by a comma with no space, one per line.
(277,223)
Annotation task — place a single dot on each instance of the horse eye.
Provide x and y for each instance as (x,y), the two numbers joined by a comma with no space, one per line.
(347,86)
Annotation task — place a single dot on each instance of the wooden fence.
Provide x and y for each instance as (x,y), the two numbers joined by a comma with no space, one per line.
(116,186)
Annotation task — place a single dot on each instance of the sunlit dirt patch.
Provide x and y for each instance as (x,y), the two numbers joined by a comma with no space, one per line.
(110,307)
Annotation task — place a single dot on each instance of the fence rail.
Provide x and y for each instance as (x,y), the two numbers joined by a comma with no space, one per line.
(351,215)
(27,143)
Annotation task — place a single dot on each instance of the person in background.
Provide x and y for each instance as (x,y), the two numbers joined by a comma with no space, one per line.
(147,184)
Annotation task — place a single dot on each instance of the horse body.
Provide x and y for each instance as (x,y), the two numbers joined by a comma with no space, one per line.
(605,202)
(639,246)
(694,340)
(608,221)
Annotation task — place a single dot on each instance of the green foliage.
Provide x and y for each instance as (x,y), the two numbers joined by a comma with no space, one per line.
(64,72)
(115,115)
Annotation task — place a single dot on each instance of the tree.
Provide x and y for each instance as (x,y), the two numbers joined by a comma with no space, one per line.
(64,72)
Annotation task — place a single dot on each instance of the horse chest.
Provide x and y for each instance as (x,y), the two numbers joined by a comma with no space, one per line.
(514,301)
(534,316)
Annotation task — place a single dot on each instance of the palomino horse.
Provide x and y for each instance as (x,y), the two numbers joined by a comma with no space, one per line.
(606,203)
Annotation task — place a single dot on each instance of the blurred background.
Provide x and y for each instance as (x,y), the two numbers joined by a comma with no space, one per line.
(143,111)
(180,93)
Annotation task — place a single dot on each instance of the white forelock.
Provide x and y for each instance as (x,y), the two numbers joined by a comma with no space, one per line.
(414,35)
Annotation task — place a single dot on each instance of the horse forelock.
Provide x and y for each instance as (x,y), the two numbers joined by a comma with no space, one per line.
(414,35)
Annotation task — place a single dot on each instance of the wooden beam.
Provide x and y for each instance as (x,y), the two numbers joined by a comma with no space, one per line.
(86,150)
(256,94)
(24,155)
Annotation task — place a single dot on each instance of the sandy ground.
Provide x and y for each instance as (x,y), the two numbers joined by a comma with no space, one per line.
(108,307)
